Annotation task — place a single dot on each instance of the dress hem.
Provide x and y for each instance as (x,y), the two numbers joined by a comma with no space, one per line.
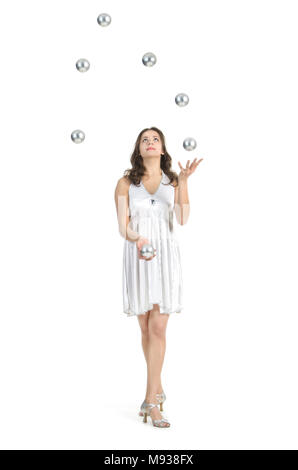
(129,313)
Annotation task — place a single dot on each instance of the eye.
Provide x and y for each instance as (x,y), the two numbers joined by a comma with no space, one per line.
(145,138)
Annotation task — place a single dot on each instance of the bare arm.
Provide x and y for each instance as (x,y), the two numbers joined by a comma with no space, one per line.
(181,206)
(122,208)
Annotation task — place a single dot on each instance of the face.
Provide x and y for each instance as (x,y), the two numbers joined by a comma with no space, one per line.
(150,144)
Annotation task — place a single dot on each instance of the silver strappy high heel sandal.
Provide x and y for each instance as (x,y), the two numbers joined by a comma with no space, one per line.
(159,423)
(160,398)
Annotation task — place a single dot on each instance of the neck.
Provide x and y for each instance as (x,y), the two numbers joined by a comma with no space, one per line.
(152,168)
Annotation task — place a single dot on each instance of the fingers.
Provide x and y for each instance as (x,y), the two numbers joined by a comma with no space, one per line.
(193,164)
(196,163)
(187,164)
(181,167)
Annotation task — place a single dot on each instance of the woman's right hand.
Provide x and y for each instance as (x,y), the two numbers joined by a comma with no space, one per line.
(143,241)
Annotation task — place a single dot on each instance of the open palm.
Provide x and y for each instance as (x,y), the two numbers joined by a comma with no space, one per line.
(186,172)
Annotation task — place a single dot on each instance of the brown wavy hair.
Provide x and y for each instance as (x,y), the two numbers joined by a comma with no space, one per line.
(135,173)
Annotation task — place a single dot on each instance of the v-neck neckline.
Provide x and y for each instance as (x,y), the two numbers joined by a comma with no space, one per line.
(153,194)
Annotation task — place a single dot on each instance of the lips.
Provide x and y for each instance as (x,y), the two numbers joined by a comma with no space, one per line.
(150,148)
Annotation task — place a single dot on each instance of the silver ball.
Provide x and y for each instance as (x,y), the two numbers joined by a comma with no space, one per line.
(104,19)
(181,99)
(149,59)
(77,136)
(189,143)
(147,250)
(82,65)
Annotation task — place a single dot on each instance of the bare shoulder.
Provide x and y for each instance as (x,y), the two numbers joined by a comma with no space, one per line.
(175,185)
(123,184)
(121,191)
(176,194)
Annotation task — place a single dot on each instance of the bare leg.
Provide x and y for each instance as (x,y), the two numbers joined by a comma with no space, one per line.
(157,324)
(143,321)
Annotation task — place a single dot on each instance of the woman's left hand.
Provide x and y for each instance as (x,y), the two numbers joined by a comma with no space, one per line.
(185,172)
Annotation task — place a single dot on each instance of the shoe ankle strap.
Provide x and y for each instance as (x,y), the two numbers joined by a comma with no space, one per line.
(151,405)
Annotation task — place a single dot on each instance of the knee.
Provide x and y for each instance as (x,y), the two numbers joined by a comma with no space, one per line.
(145,330)
(143,321)
(157,328)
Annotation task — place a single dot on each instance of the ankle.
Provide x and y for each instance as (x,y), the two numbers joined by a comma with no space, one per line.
(152,399)
(159,391)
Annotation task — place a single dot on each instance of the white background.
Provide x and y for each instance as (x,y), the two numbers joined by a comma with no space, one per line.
(73,374)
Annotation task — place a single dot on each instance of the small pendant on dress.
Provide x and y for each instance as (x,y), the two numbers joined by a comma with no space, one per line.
(152,201)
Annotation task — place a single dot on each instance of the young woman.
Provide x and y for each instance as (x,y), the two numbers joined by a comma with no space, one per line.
(146,197)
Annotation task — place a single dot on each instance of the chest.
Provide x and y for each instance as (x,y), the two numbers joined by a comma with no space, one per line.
(141,200)
(151,186)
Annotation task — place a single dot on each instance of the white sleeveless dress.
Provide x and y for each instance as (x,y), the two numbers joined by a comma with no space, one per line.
(158,281)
